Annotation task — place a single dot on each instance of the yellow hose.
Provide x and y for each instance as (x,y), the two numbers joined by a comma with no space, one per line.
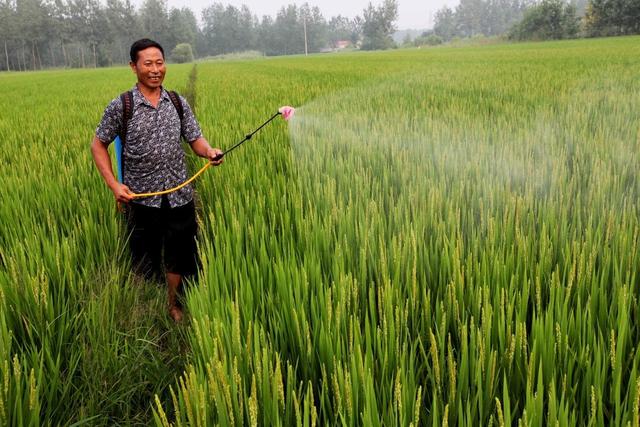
(171,190)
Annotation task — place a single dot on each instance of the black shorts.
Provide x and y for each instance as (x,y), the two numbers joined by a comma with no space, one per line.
(166,232)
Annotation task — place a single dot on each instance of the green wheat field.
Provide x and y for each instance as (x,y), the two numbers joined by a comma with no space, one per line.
(443,236)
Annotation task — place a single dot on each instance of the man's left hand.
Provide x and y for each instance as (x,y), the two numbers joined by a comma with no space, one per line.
(215,156)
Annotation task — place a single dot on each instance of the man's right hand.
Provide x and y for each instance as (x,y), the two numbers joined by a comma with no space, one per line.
(122,193)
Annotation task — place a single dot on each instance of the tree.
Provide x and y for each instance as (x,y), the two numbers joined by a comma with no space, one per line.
(445,23)
(475,17)
(378,25)
(342,28)
(98,34)
(248,24)
(612,17)
(228,29)
(338,29)
(32,17)
(428,40)
(88,28)
(183,27)
(357,24)
(550,19)
(316,27)
(288,31)
(581,6)
(470,15)
(211,17)
(124,27)
(64,32)
(266,36)
(509,13)
(7,30)
(182,53)
(154,18)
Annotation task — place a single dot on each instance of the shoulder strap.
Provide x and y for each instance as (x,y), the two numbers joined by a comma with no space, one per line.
(127,112)
(176,103)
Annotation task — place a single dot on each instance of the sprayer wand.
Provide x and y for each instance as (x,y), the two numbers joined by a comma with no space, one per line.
(286,112)
(246,138)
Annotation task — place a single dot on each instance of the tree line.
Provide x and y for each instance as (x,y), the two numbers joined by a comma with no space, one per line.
(36,34)
(537,19)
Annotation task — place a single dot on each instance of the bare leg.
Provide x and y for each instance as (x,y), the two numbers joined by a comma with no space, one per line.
(173,281)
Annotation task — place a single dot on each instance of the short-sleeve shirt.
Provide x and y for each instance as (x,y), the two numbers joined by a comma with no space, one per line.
(153,157)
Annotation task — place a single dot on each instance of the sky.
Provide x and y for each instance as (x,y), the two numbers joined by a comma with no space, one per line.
(412,14)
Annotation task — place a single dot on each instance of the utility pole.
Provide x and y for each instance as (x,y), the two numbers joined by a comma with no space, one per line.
(304,23)
(6,54)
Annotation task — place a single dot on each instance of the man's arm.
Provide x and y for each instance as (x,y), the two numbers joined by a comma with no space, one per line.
(202,148)
(101,156)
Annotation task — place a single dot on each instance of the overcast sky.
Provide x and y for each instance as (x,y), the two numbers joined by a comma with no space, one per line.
(412,14)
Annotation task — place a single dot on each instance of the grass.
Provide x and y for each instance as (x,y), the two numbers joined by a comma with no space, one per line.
(440,236)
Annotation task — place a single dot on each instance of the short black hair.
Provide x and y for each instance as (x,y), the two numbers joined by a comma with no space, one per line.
(143,44)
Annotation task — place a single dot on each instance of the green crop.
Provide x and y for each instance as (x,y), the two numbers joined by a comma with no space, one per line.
(439,237)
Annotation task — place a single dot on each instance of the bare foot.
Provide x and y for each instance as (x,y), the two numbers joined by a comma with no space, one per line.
(176,313)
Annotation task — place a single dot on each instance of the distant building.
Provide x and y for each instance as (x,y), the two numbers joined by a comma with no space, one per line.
(339,45)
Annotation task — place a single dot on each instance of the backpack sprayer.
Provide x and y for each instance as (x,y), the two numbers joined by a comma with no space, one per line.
(286,111)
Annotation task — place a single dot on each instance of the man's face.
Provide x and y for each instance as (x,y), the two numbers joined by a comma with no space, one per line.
(149,67)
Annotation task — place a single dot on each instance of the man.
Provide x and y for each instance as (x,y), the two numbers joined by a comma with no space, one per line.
(154,161)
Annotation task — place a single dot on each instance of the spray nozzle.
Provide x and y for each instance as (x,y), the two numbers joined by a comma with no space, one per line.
(287,112)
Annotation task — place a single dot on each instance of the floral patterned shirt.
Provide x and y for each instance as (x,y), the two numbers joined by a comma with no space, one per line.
(153,157)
